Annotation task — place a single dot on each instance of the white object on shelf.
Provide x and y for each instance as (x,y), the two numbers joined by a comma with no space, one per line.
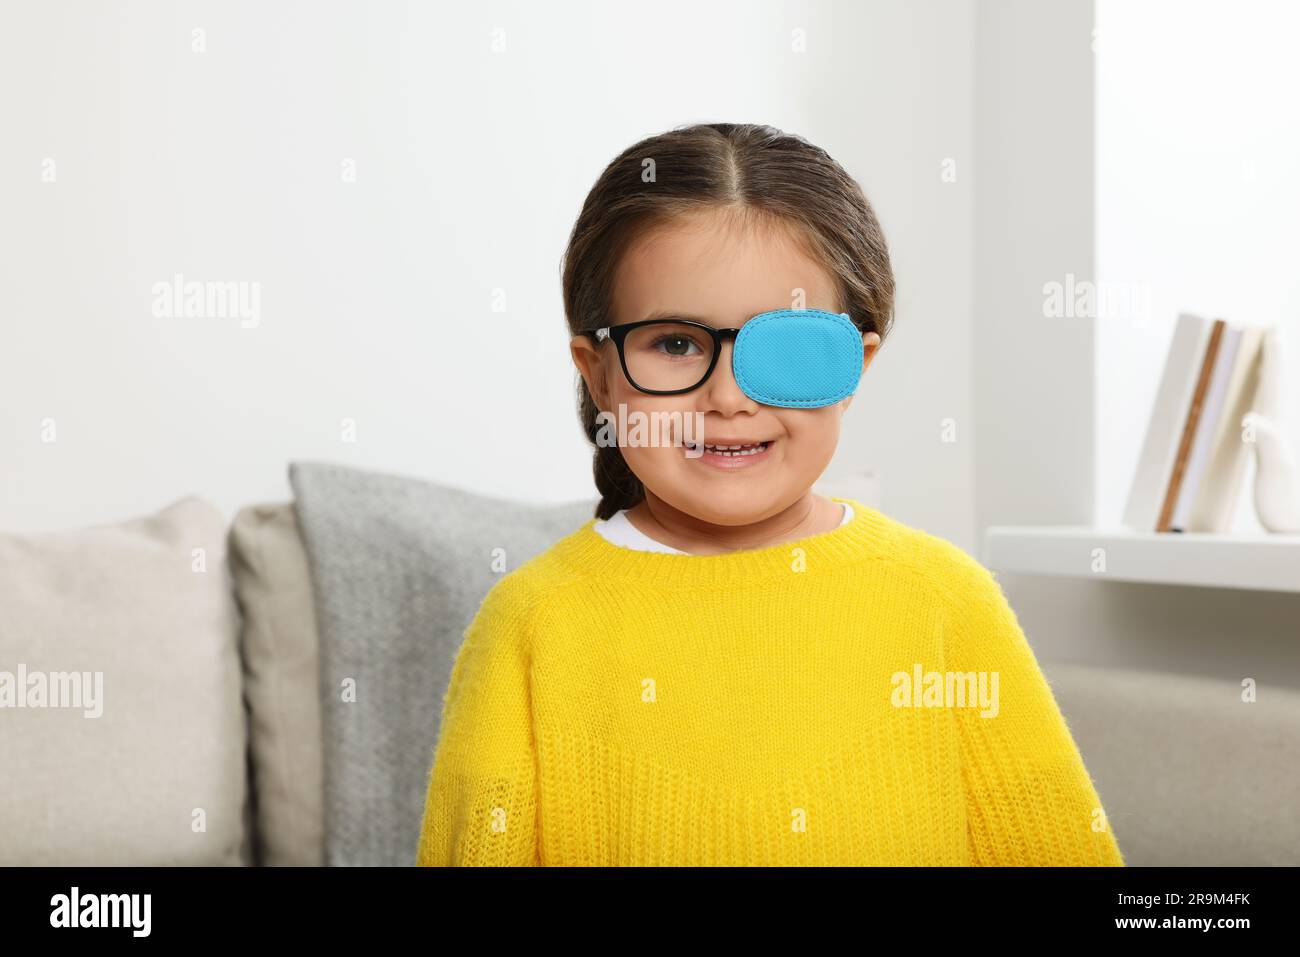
(1277,476)
(1260,562)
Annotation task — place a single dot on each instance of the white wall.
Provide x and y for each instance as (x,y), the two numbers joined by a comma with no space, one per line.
(470,167)
(1034,377)
(1198,144)
(1059,421)
(897,109)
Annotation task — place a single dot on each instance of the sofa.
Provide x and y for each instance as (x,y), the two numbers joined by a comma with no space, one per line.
(267,692)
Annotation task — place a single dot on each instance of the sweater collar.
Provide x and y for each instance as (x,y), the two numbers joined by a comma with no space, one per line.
(864,535)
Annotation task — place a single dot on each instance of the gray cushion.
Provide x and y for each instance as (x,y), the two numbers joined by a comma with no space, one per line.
(399,567)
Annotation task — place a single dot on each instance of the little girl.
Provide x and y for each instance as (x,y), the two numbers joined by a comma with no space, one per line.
(722,667)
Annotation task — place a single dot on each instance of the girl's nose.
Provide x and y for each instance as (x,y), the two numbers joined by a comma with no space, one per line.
(721,389)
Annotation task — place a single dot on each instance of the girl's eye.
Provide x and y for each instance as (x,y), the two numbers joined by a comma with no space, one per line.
(672,344)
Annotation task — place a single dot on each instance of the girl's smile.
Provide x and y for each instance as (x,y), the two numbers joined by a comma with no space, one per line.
(730,454)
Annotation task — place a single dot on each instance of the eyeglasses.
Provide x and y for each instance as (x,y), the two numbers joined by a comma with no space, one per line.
(796,358)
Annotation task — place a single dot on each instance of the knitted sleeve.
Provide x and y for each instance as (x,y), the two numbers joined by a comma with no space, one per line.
(1029,799)
(481,806)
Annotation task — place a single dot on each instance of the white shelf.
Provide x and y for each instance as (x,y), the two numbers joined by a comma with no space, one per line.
(1259,562)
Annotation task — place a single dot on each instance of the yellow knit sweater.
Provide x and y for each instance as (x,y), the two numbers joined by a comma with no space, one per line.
(863,696)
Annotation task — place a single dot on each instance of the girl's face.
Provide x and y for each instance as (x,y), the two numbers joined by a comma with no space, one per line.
(721,271)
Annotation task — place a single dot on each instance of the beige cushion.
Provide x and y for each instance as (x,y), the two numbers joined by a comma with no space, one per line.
(159,776)
(1189,774)
(282,684)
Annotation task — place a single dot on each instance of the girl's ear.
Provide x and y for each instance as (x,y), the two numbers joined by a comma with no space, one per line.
(870,343)
(587,359)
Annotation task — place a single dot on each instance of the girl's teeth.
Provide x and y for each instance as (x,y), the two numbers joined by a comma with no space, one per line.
(732,450)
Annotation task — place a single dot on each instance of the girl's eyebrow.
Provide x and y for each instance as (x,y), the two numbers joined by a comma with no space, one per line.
(672,314)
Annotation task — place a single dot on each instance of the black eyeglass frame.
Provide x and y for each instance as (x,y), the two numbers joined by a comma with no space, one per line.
(619,333)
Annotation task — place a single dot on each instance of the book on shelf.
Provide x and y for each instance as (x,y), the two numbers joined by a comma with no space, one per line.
(1193,459)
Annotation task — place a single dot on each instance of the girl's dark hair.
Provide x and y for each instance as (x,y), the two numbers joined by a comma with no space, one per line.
(743,168)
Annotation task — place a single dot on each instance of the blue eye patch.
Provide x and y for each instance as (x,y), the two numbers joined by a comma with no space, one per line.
(798,358)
